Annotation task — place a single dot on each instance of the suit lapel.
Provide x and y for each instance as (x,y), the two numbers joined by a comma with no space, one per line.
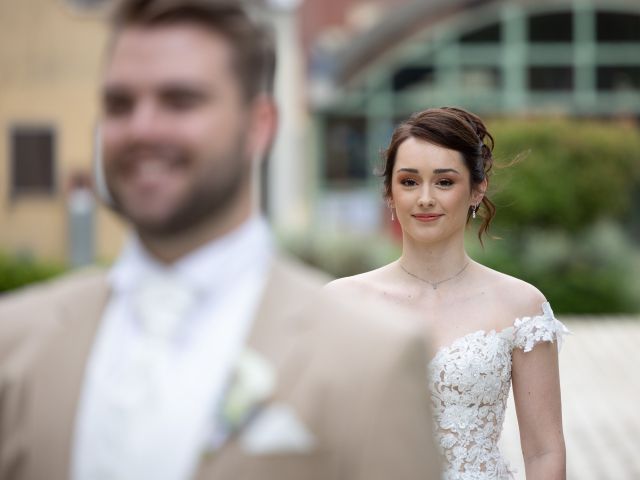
(277,326)
(277,334)
(57,379)
(281,331)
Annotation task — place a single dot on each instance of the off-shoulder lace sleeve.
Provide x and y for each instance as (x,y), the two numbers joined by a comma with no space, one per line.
(529,331)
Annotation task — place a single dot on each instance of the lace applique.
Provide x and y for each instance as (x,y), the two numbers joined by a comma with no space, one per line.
(469,382)
(530,331)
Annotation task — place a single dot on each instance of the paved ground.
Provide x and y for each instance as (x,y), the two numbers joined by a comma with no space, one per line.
(600,377)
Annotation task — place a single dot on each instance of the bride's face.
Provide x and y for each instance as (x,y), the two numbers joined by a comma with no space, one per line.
(431,191)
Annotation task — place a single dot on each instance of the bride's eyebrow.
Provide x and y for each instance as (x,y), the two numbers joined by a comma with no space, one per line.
(438,171)
(409,170)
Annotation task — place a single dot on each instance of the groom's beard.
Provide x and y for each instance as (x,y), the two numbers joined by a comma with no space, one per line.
(208,191)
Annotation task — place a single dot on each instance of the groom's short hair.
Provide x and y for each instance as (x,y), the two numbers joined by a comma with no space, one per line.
(252,43)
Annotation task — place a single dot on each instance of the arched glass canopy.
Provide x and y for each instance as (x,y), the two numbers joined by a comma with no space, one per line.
(576,58)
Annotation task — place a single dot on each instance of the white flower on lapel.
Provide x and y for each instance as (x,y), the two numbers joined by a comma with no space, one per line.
(262,431)
(253,383)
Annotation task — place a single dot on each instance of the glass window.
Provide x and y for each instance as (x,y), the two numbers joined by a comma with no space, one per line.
(32,160)
(551,27)
(412,77)
(619,78)
(346,149)
(481,78)
(550,78)
(489,34)
(618,27)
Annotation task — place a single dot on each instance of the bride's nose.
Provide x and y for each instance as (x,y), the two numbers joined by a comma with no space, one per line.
(426,198)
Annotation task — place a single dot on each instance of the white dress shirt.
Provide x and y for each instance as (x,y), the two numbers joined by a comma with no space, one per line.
(152,388)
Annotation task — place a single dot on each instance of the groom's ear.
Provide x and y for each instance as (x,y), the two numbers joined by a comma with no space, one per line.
(264,125)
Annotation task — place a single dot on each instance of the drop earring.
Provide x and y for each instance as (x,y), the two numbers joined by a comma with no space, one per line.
(393,217)
(474,209)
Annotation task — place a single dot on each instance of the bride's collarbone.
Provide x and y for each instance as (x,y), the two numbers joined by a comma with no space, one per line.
(449,307)
(461,316)
(444,300)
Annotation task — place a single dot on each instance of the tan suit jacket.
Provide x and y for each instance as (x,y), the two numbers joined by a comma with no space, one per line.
(355,379)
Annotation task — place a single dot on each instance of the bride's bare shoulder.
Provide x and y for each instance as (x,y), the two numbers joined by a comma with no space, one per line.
(517,297)
(363,283)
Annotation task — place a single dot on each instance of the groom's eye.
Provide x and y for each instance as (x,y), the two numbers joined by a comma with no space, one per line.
(117,103)
(183,98)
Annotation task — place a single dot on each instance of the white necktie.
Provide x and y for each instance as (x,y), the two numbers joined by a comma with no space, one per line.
(138,404)
(161,302)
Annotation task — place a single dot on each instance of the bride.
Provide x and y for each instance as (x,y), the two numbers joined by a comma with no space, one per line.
(492,330)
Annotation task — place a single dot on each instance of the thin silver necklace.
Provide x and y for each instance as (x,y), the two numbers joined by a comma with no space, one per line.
(434,285)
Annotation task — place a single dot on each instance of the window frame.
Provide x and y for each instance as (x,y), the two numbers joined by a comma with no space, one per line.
(16,191)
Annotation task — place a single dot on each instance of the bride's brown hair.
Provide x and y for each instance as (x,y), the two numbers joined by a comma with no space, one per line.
(455,129)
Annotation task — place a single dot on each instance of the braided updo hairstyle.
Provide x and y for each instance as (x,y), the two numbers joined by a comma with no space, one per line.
(455,129)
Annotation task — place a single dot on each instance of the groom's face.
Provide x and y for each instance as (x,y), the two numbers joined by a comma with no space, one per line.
(174,127)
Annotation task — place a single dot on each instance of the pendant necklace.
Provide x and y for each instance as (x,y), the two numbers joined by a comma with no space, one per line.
(434,285)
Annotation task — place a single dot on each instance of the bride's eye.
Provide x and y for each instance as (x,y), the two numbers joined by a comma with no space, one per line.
(408,182)
(444,182)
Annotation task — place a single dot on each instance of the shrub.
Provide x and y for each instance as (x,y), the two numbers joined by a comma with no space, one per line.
(18,271)
(568,174)
(342,255)
(595,272)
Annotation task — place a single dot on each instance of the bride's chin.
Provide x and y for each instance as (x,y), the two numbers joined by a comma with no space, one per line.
(430,239)
(420,238)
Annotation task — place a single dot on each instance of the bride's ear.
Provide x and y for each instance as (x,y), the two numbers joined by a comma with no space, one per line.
(479,191)
(390,203)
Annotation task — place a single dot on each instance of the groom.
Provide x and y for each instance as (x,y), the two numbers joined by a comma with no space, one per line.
(202,353)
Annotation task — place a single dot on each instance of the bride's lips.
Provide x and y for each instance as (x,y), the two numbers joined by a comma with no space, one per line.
(427,217)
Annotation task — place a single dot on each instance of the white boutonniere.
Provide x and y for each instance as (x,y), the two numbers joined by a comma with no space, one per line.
(252,385)
(272,429)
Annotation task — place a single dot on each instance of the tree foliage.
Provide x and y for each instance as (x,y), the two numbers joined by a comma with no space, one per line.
(564,174)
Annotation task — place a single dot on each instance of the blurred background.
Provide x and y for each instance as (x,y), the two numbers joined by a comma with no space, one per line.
(557,80)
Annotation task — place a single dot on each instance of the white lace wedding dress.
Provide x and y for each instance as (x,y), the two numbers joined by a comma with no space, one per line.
(470,382)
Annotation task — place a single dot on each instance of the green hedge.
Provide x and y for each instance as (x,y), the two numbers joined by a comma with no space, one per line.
(342,255)
(567,174)
(562,206)
(18,271)
(597,271)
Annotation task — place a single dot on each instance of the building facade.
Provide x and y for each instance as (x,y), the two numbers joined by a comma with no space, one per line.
(50,56)
(576,58)
(348,71)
